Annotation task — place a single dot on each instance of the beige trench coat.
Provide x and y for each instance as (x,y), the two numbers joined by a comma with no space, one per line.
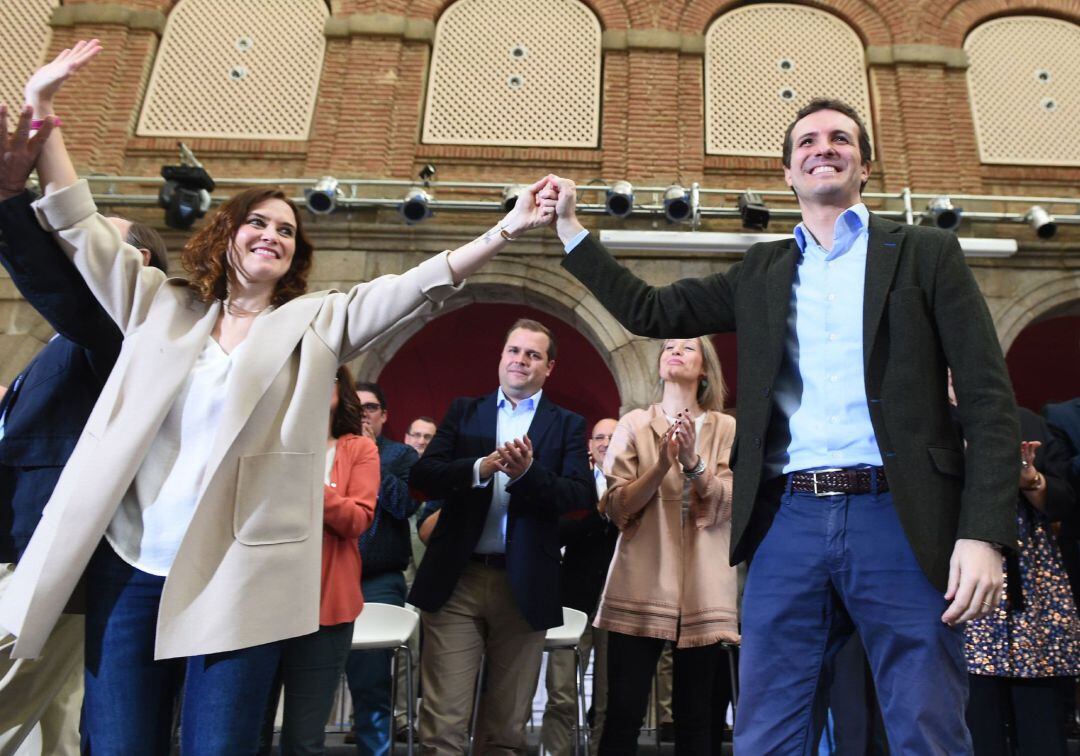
(670,577)
(247,570)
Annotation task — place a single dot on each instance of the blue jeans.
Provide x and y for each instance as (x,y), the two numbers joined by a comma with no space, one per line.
(369,673)
(130,697)
(826,567)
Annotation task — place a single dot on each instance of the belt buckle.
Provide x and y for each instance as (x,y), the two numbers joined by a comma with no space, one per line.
(814,475)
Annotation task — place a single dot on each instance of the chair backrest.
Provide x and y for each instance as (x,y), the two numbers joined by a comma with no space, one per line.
(383,626)
(569,632)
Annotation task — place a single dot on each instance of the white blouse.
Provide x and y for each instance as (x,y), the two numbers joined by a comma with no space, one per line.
(154,514)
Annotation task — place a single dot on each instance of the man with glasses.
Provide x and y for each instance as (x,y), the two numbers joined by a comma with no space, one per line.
(385,551)
(588,541)
(420,432)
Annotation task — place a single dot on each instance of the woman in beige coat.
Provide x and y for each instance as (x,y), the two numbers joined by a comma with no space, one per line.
(202,463)
(669,493)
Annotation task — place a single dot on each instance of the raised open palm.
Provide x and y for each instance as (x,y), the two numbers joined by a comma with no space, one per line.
(47,80)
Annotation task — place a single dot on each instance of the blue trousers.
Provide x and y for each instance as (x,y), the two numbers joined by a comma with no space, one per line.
(130,698)
(829,566)
(369,673)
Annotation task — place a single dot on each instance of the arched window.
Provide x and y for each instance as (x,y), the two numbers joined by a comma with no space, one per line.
(523,74)
(24,37)
(764,62)
(1024,80)
(243,69)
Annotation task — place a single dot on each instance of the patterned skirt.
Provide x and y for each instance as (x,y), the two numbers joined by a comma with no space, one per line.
(1042,637)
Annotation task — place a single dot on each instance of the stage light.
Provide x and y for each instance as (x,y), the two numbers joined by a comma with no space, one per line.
(753,211)
(677,204)
(1043,223)
(323,197)
(185,195)
(426,173)
(416,206)
(619,199)
(510,196)
(944,213)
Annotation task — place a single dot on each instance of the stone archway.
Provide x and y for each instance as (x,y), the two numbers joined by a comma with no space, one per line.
(552,290)
(1046,293)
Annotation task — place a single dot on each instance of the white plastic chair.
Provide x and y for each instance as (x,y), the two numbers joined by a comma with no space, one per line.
(567,636)
(385,626)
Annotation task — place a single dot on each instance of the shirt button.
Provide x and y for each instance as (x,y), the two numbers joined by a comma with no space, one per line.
(834,419)
(834,378)
(831,297)
(833,337)
(333,485)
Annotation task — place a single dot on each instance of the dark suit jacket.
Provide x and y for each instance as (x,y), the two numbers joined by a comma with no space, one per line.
(922,313)
(589,542)
(559,481)
(1065,416)
(48,404)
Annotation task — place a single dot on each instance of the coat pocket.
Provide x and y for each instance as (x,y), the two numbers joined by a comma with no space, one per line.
(947,461)
(273,498)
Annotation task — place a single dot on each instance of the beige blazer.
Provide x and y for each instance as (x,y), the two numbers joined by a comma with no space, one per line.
(670,576)
(247,571)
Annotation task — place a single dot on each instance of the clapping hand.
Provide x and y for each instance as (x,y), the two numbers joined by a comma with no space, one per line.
(1028,474)
(515,457)
(19,151)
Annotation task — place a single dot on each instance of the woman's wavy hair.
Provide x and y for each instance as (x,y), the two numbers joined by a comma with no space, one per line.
(205,256)
(349,417)
(712,391)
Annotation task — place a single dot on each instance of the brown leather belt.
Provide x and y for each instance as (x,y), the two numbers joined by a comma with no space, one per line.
(835,482)
(498,561)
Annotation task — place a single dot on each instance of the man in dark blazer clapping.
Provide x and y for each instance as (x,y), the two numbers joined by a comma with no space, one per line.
(506,466)
(854,499)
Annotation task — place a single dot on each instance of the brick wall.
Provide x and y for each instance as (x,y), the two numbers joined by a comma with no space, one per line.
(372,89)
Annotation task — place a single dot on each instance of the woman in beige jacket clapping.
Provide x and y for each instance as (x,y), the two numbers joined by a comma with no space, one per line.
(670,496)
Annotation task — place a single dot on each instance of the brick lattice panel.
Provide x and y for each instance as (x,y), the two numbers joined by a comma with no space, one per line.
(245,69)
(1024,83)
(522,74)
(758,74)
(24,35)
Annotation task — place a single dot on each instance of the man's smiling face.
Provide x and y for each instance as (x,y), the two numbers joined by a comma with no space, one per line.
(826,166)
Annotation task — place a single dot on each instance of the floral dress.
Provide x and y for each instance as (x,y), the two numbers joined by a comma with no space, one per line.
(1041,636)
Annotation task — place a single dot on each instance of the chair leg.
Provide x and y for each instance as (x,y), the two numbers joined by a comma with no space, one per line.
(733,670)
(579,700)
(476,703)
(410,703)
(393,693)
(656,705)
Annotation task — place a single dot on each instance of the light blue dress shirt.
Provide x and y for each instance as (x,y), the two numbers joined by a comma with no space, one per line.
(821,388)
(512,422)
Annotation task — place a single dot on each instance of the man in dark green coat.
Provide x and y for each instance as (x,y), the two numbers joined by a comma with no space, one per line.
(854,498)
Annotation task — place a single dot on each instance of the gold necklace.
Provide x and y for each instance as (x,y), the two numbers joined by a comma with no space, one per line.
(239,312)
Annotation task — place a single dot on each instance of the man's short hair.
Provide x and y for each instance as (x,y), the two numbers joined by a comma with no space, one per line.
(423,419)
(141,236)
(373,388)
(533,325)
(866,150)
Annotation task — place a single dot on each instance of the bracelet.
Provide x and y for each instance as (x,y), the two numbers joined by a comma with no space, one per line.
(37,123)
(696,471)
(1039,482)
(505,234)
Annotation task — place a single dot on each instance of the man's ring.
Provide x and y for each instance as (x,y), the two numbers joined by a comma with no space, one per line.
(1025,463)
(988,605)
